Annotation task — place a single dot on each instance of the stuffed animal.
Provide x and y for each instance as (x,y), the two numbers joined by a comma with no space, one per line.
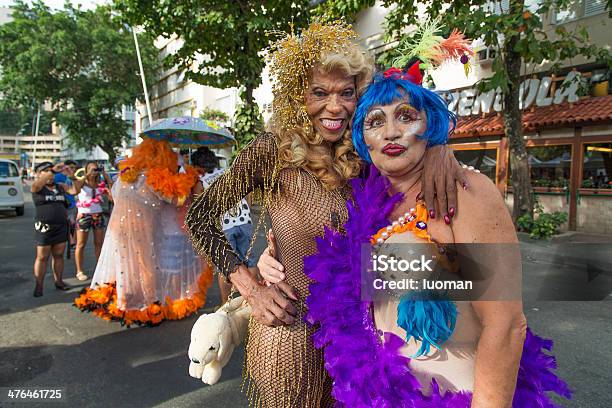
(214,337)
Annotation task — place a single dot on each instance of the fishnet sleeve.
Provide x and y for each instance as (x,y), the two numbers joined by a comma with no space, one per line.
(253,169)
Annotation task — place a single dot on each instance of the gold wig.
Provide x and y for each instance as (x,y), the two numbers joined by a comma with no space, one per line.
(327,47)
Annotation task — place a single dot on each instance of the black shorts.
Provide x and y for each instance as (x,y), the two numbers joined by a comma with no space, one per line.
(50,234)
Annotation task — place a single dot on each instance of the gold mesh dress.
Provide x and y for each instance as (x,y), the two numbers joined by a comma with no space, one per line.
(282,366)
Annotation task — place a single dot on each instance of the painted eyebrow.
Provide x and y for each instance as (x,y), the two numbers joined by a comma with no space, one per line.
(405,105)
(375,111)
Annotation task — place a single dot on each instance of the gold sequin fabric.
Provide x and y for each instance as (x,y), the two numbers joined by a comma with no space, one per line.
(282,367)
(254,170)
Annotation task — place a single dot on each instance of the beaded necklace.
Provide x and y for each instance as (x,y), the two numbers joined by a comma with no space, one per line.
(414,220)
(96,196)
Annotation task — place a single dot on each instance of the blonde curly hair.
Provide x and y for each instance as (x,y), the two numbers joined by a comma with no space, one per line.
(299,146)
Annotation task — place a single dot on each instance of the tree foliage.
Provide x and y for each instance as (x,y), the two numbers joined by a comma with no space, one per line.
(214,115)
(22,121)
(82,63)
(247,124)
(222,41)
(346,9)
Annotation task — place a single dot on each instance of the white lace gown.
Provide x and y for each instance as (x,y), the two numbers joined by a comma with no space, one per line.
(146,252)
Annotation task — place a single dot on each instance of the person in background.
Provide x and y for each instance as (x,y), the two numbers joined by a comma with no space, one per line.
(148,271)
(50,224)
(90,213)
(185,155)
(64,174)
(236,223)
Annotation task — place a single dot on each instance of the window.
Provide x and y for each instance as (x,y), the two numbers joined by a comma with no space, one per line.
(597,166)
(484,160)
(497,7)
(533,5)
(579,9)
(568,14)
(592,7)
(8,170)
(550,165)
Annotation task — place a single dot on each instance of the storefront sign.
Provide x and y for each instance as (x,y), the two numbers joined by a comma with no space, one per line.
(539,91)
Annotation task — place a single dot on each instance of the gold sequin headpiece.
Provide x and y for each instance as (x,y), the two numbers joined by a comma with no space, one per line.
(290,59)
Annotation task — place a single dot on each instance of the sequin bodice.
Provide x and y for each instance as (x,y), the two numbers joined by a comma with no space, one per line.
(298,204)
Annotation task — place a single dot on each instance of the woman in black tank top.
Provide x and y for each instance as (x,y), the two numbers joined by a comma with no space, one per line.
(50,224)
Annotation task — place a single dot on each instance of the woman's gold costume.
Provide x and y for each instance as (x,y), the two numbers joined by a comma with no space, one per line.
(282,367)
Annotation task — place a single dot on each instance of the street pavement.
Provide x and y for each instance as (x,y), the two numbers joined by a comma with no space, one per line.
(47,343)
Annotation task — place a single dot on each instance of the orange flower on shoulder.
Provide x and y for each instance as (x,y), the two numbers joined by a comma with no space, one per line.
(128,174)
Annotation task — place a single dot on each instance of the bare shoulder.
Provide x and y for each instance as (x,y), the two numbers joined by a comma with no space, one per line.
(481,193)
(482,215)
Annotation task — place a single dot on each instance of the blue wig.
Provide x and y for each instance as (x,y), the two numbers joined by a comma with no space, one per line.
(384,91)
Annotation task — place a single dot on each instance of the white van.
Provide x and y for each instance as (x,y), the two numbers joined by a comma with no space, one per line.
(11,189)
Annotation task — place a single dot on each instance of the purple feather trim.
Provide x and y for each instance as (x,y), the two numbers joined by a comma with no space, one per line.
(366,371)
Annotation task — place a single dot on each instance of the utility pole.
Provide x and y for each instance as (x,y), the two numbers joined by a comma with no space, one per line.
(36,137)
(142,77)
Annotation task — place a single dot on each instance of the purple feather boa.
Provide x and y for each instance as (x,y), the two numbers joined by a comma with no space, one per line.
(366,372)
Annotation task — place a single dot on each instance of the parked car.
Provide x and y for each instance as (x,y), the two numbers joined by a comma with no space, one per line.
(11,188)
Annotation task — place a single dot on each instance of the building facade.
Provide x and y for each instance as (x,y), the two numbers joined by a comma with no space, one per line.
(172,95)
(81,156)
(26,150)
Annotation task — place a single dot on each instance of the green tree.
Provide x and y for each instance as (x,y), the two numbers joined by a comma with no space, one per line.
(81,63)
(215,115)
(222,41)
(346,9)
(518,34)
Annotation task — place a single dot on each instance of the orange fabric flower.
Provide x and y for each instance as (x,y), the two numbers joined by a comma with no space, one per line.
(102,302)
(159,163)
(128,174)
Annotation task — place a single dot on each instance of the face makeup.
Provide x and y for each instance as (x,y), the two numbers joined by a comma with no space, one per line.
(330,103)
(392,135)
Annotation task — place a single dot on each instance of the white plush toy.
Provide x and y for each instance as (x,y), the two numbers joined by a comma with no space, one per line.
(214,337)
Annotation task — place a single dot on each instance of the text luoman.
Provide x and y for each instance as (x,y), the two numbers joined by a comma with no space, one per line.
(422,284)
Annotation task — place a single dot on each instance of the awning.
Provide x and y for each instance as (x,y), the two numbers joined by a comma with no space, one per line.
(592,110)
